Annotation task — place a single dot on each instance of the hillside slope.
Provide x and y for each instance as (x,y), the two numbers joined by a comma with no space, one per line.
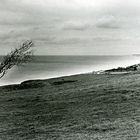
(80,107)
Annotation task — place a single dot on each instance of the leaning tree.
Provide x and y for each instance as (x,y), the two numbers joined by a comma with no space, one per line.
(16,57)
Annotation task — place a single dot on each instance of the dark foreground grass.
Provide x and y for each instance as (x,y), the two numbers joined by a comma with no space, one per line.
(82,107)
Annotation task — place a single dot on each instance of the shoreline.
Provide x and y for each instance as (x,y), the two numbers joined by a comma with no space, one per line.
(75,67)
(42,79)
(120,70)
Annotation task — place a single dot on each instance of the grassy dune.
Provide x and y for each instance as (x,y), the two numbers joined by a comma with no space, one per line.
(81,107)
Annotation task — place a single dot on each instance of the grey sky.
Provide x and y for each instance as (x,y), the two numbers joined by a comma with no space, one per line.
(71,27)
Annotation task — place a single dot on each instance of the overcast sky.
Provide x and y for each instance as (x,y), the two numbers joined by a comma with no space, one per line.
(71,27)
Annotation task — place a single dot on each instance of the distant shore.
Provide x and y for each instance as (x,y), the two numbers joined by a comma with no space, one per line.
(120,70)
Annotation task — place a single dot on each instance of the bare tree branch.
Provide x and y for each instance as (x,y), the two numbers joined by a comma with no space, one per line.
(19,56)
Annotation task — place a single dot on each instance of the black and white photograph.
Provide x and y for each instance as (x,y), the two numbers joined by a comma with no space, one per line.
(69,70)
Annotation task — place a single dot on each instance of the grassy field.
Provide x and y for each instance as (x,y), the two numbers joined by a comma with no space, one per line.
(80,107)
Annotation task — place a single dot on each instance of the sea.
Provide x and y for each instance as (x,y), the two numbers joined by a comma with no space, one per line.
(45,67)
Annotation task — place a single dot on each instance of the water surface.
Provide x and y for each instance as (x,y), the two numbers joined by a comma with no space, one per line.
(43,67)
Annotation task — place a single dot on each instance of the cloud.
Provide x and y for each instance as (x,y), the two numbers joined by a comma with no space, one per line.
(108,22)
(62,41)
(75,25)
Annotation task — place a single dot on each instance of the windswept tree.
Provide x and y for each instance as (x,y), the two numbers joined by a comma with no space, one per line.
(16,57)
